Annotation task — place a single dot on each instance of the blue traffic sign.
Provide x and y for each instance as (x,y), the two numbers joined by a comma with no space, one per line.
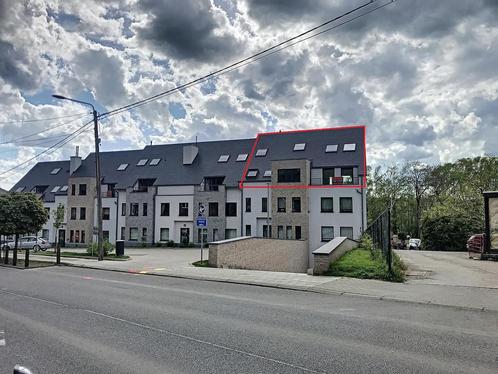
(201,222)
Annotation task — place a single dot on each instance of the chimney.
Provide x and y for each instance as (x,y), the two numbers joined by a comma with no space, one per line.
(190,152)
(74,161)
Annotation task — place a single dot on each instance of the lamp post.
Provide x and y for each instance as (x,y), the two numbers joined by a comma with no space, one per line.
(97,173)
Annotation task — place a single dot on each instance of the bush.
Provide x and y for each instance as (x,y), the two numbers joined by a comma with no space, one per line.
(170,243)
(91,249)
(447,232)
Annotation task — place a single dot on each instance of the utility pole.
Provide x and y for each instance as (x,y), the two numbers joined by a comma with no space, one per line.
(268,205)
(100,249)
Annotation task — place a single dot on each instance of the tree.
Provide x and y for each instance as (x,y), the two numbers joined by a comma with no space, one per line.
(417,176)
(6,224)
(58,220)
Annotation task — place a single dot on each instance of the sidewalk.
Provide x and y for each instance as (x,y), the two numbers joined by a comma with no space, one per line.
(177,263)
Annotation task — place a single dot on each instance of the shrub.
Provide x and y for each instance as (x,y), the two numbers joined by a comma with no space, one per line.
(447,232)
(91,249)
(170,243)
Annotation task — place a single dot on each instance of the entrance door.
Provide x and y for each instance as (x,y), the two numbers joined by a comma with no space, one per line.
(62,238)
(184,235)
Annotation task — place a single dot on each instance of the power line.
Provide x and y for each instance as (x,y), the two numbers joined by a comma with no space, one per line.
(264,53)
(42,119)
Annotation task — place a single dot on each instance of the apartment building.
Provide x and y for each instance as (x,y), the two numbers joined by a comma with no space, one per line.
(301,185)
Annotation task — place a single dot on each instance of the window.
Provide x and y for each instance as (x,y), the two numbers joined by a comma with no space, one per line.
(63,189)
(328,175)
(123,229)
(71,236)
(266,234)
(347,232)
(123,209)
(154,161)
(296,204)
(248,230)
(45,234)
(144,209)
(349,147)
(298,232)
(230,233)
(76,236)
(267,174)
(281,204)
(73,213)
(223,158)
(346,205)
(20,189)
(134,210)
(280,232)
(289,175)
(55,189)
(73,189)
(105,235)
(144,234)
(252,173)
(231,209)
(288,232)
(327,205)
(331,148)
(82,240)
(242,157)
(106,214)
(142,162)
(215,235)
(82,190)
(347,175)
(261,152)
(82,213)
(183,209)
(55,171)
(164,234)
(327,233)
(213,209)
(264,204)
(299,146)
(248,204)
(164,209)
(122,167)
(133,233)
(202,231)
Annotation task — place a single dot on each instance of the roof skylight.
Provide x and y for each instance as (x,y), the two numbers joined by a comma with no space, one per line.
(20,189)
(299,146)
(142,162)
(55,171)
(252,173)
(63,189)
(261,152)
(349,147)
(223,158)
(55,189)
(331,148)
(154,161)
(122,167)
(242,157)
(267,173)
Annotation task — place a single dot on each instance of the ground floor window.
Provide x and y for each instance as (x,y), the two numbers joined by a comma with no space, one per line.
(164,235)
(45,234)
(144,234)
(134,233)
(230,233)
(204,234)
(327,233)
(215,235)
(298,232)
(248,230)
(71,236)
(266,232)
(347,232)
(184,235)
(105,235)
(288,232)
(280,232)
(82,240)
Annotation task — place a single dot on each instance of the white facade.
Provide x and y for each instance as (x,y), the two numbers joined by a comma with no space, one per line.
(233,223)
(49,225)
(108,225)
(256,218)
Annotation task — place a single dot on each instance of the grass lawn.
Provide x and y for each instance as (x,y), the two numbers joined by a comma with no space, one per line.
(111,257)
(361,263)
(32,264)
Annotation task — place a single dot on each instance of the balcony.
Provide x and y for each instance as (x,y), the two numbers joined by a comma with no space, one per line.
(337,181)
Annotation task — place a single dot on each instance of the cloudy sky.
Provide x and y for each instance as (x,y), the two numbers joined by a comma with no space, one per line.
(421,74)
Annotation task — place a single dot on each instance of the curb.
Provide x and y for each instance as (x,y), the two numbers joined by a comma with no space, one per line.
(314,289)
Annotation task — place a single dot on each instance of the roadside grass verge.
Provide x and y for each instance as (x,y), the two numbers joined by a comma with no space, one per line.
(32,264)
(202,264)
(110,257)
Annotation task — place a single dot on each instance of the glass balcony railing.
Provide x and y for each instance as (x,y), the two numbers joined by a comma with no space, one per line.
(337,181)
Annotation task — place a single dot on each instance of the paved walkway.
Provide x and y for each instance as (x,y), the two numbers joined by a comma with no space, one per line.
(467,293)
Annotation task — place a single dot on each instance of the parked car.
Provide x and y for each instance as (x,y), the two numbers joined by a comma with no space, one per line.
(476,245)
(29,242)
(414,243)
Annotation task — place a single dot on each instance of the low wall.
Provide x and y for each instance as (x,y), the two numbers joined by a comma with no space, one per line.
(331,252)
(260,254)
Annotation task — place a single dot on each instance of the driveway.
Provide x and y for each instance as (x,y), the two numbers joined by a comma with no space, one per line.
(449,268)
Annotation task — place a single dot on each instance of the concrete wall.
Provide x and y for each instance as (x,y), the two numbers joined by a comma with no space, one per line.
(214,222)
(260,254)
(331,252)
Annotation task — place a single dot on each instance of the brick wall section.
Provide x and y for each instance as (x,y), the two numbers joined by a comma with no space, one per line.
(140,221)
(78,201)
(218,222)
(331,252)
(260,254)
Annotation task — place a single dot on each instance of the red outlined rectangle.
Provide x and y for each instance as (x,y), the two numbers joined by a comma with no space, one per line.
(256,141)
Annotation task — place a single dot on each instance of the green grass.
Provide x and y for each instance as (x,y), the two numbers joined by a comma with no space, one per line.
(201,264)
(32,264)
(365,264)
(111,257)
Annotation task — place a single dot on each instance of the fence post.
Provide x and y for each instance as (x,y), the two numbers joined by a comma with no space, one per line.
(389,249)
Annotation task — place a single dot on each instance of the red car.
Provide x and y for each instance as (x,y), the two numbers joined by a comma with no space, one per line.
(476,245)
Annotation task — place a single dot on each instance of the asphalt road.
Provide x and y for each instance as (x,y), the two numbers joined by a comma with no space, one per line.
(69,320)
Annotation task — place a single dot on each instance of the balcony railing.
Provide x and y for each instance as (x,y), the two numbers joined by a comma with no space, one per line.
(337,181)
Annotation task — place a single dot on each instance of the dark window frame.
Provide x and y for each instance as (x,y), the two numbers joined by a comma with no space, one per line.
(292,175)
(322,199)
(296,209)
(213,209)
(165,209)
(321,233)
(183,209)
(341,209)
(231,209)
(82,189)
(284,208)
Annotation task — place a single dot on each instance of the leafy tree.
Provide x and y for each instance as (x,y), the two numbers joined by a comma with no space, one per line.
(417,176)
(58,216)
(6,224)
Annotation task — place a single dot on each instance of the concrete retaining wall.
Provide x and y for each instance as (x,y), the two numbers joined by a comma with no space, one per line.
(331,252)
(260,254)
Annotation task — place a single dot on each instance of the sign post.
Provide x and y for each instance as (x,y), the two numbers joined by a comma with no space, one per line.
(201,222)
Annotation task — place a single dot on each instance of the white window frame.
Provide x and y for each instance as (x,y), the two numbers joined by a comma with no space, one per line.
(154,162)
(142,162)
(261,152)
(63,188)
(122,167)
(253,173)
(299,146)
(349,147)
(223,158)
(55,189)
(241,157)
(55,171)
(331,148)
(267,173)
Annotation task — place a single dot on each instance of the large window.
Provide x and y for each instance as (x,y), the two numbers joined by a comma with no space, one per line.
(281,204)
(327,233)
(230,233)
(289,175)
(133,233)
(202,233)
(264,204)
(83,236)
(248,204)
(134,209)
(231,209)
(288,232)
(73,213)
(280,232)
(144,209)
(248,230)
(164,236)
(82,189)
(298,232)
(82,213)
(327,205)
(346,204)
(106,213)
(347,232)
(73,189)
(123,209)
(213,209)
(164,209)
(183,209)
(296,204)
(328,176)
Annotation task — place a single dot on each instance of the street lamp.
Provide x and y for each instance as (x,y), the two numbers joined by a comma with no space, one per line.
(97,173)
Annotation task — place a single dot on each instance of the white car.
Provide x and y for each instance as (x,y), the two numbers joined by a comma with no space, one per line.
(414,243)
(29,242)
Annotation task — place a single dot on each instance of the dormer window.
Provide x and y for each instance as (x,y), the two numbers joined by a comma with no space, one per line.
(142,162)
(242,157)
(223,158)
(20,189)
(122,167)
(299,146)
(154,161)
(267,173)
(55,171)
(349,147)
(55,189)
(142,185)
(252,173)
(261,152)
(63,189)
(331,148)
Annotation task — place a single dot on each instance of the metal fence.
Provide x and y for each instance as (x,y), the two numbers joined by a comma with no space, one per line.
(380,232)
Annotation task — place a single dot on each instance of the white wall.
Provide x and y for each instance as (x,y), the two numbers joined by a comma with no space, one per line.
(49,225)
(233,196)
(121,198)
(174,195)
(108,225)
(256,218)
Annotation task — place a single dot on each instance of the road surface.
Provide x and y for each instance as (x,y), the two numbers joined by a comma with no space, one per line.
(70,320)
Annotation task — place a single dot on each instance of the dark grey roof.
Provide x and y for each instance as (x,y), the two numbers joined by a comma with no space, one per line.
(40,175)
(2,191)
